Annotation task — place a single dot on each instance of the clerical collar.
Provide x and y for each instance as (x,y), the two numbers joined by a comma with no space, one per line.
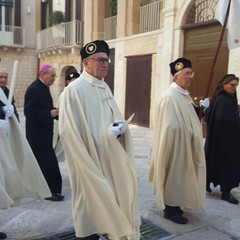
(92,80)
(43,82)
(179,89)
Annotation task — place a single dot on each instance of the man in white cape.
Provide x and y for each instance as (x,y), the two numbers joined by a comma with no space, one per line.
(177,169)
(20,175)
(97,146)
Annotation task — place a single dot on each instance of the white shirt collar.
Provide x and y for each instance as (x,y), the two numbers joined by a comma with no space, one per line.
(43,82)
(92,80)
(179,89)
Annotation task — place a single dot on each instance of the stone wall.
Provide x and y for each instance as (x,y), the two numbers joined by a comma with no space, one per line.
(26,72)
(61,62)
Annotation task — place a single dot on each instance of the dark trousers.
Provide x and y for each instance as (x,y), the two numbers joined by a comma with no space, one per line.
(170,210)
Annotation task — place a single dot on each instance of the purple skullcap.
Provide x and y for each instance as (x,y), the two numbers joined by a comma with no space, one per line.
(44,68)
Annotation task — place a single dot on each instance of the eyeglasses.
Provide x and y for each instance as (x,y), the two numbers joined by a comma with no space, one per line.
(52,75)
(233,84)
(101,60)
(188,74)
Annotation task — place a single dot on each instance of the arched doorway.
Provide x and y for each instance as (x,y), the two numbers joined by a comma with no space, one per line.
(64,72)
(70,69)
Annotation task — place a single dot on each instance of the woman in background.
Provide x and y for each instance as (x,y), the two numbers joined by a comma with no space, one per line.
(222,147)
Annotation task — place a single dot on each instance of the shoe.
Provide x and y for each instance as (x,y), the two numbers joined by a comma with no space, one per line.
(3,235)
(230,198)
(56,197)
(176,218)
(180,212)
(173,210)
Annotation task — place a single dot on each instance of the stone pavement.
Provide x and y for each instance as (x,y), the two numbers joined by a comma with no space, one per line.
(39,219)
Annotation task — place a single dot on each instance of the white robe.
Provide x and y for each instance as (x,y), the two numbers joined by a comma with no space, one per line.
(5,200)
(101,167)
(21,176)
(57,144)
(177,169)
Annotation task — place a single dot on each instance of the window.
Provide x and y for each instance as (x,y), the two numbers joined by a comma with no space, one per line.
(6,13)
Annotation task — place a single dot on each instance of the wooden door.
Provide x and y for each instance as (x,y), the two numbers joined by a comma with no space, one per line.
(138,89)
(200,48)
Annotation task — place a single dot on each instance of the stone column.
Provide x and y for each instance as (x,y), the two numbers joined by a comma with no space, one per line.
(168,42)
(121,19)
(94,12)
(133,17)
(128,17)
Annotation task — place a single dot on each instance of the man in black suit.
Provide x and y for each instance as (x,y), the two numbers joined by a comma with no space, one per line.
(40,114)
(3,84)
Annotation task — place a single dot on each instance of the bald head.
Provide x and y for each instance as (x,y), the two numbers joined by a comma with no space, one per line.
(3,77)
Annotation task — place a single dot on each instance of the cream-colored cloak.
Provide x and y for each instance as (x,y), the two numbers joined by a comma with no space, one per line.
(57,144)
(21,176)
(177,168)
(101,168)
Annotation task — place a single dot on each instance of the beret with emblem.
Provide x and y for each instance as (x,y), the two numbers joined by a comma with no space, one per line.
(94,47)
(72,75)
(179,64)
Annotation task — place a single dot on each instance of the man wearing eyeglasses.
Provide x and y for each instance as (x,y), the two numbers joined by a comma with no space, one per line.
(40,114)
(177,168)
(97,145)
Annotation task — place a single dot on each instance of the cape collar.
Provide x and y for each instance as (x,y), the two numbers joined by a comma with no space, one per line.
(179,89)
(92,80)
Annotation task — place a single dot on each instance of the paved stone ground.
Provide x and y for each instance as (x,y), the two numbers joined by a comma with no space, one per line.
(39,219)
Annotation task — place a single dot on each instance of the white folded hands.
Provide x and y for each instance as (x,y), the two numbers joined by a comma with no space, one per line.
(8,110)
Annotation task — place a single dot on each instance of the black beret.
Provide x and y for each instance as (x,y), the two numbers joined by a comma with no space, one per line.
(72,75)
(94,47)
(179,64)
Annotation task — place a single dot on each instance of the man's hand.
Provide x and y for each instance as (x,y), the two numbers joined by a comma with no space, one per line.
(54,112)
(204,103)
(5,125)
(8,110)
(116,131)
(123,127)
(119,129)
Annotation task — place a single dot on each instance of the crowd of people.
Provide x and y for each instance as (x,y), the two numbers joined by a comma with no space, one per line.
(97,146)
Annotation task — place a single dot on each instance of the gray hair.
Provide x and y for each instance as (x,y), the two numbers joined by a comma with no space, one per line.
(3,70)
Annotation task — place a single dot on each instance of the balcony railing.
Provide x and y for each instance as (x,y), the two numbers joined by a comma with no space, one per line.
(63,34)
(12,36)
(151,17)
(110,26)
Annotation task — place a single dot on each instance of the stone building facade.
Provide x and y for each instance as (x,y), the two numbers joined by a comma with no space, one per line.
(144,37)
(18,42)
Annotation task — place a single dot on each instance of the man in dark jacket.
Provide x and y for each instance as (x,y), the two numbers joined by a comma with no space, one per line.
(3,85)
(40,114)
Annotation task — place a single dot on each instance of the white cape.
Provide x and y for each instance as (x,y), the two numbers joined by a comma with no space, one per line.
(21,176)
(177,169)
(101,168)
